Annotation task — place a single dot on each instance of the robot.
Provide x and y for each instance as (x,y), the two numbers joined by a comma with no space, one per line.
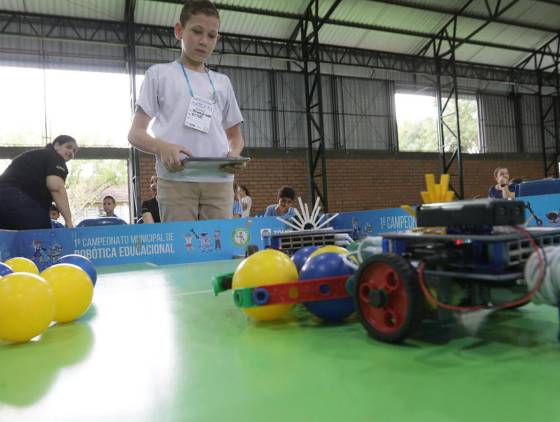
(464,256)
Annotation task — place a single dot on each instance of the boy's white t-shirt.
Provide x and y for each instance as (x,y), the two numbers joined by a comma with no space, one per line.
(165,97)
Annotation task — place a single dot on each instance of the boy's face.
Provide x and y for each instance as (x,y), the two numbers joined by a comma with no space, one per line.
(284,204)
(108,206)
(55,215)
(502,177)
(198,37)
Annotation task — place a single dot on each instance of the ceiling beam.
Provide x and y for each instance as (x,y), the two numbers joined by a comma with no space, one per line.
(78,30)
(449,11)
(538,55)
(241,9)
(297,28)
(448,32)
(379,28)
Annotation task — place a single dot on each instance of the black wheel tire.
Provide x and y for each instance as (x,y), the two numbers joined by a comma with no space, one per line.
(400,311)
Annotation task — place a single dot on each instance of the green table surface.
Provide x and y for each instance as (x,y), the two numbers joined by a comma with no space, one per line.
(156,345)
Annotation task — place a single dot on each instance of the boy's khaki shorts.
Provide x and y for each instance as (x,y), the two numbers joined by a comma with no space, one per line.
(188,201)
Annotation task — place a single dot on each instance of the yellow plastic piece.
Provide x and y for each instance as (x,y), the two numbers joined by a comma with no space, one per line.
(72,289)
(27,306)
(22,265)
(265,267)
(437,192)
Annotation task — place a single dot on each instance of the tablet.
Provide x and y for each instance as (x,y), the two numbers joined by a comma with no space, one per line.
(214,162)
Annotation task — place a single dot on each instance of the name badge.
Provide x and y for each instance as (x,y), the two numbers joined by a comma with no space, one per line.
(199,114)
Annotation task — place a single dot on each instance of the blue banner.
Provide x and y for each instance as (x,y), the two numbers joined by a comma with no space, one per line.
(372,223)
(165,243)
(542,210)
(8,244)
(175,243)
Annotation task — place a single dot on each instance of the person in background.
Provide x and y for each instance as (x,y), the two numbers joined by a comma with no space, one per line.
(54,212)
(237,207)
(55,215)
(31,183)
(150,207)
(109,205)
(283,208)
(246,201)
(193,112)
(503,189)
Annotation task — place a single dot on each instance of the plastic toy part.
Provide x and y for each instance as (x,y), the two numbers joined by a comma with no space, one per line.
(387,297)
(329,288)
(263,268)
(221,283)
(437,192)
(320,267)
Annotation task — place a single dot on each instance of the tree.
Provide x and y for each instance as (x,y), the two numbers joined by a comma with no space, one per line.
(423,135)
(87,179)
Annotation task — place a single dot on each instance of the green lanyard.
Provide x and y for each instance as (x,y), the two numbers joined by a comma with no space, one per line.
(189,82)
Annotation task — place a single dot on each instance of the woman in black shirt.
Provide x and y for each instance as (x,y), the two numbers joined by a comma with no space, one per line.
(30,184)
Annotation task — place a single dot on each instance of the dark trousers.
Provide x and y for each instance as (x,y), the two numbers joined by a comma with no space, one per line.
(18,211)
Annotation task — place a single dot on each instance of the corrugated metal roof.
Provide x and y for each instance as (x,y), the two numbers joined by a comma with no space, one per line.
(369,40)
(407,16)
(99,9)
(286,6)
(526,11)
(263,26)
(157,13)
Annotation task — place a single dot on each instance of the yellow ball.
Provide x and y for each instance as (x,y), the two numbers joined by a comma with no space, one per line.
(329,249)
(72,288)
(22,265)
(26,307)
(265,267)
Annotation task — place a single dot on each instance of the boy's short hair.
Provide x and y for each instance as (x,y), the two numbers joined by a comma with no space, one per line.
(53,208)
(287,192)
(195,7)
(111,198)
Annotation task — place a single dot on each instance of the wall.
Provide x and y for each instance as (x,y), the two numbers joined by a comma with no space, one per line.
(364,181)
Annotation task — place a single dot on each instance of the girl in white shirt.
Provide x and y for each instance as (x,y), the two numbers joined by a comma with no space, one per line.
(246,201)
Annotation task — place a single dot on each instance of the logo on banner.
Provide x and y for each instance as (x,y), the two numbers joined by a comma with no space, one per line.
(241,236)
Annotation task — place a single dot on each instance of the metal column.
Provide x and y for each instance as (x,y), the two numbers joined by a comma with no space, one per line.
(134,159)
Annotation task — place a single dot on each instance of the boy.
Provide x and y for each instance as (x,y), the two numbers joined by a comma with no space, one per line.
(54,212)
(286,197)
(195,114)
(109,205)
(503,189)
(150,207)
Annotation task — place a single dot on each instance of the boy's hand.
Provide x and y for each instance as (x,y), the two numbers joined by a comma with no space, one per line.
(170,155)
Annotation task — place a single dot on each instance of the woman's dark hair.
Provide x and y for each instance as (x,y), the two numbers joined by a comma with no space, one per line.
(63,139)
(245,189)
(195,7)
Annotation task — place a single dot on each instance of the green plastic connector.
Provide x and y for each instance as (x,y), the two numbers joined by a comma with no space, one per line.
(350,285)
(243,298)
(221,283)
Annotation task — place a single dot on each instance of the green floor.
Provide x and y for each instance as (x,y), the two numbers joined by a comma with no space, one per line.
(157,346)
